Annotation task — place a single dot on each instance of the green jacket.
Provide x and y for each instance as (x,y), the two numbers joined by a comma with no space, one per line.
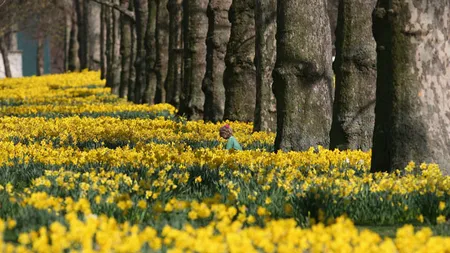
(233,144)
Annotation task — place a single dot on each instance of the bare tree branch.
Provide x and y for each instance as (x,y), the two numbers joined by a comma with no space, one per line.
(121,9)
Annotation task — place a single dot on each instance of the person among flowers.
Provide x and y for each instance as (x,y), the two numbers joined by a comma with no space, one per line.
(227,133)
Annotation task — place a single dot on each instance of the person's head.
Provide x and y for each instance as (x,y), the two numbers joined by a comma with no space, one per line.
(226,131)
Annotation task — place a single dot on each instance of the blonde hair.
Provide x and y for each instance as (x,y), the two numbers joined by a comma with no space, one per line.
(226,131)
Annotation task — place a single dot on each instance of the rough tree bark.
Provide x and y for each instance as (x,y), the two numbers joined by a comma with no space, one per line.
(116,59)
(332,8)
(93,26)
(162,49)
(103,42)
(125,50)
(265,56)
(80,9)
(195,23)
(74,60)
(141,10)
(40,55)
(132,80)
(216,43)
(303,75)
(413,84)
(150,48)
(355,70)
(109,46)
(4,54)
(174,73)
(240,73)
(67,29)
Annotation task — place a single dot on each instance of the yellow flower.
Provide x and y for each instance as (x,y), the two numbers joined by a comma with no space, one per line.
(420,218)
(24,238)
(11,224)
(142,204)
(268,201)
(198,179)
(261,211)
(192,215)
(441,205)
(148,194)
(251,219)
(440,219)
(168,208)
(288,209)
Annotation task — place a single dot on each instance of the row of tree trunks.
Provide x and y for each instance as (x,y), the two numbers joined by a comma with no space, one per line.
(195,29)
(240,73)
(216,42)
(265,56)
(184,52)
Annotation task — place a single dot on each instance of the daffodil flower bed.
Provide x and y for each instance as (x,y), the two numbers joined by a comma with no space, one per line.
(85,171)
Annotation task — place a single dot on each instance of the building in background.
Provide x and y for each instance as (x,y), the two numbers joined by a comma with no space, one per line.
(28,45)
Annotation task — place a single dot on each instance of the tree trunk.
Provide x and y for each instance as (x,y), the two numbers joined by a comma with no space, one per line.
(4,54)
(195,23)
(125,50)
(265,56)
(132,80)
(40,55)
(67,29)
(303,75)
(162,50)
(141,9)
(94,32)
(103,42)
(74,60)
(109,46)
(216,43)
(150,48)
(355,69)
(116,59)
(80,8)
(332,8)
(174,73)
(413,84)
(240,73)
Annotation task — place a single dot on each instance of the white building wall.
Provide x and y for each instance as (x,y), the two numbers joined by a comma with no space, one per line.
(15,61)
